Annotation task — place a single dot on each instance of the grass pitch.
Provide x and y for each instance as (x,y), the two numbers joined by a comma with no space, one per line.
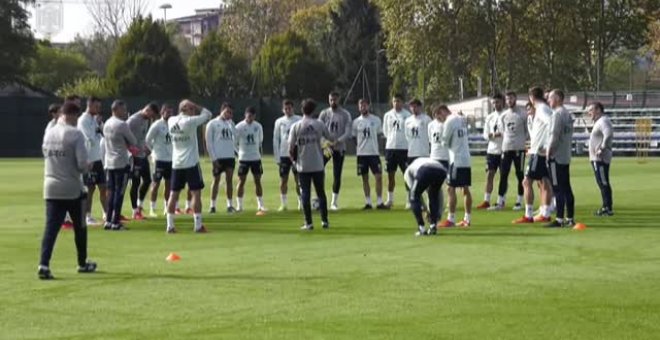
(366,277)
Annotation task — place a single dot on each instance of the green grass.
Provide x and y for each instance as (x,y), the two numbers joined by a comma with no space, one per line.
(367,277)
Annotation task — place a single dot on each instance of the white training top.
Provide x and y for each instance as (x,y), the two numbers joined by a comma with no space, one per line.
(492,125)
(281,136)
(249,138)
(366,131)
(159,141)
(438,151)
(93,133)
(220,139)
(514,129)
(417,135)
(540,133)
(183,129)
(455,138)
(393,129)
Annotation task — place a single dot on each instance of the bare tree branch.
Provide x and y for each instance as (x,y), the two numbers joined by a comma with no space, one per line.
(113,17)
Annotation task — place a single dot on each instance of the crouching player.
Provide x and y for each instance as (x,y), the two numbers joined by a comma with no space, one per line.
(425,174)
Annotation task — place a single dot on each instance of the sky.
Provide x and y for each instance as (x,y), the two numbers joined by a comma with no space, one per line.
(76,19)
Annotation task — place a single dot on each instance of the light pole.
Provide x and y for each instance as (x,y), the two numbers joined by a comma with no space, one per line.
(165,7)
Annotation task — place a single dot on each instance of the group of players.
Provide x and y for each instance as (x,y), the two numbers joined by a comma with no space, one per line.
(428,150)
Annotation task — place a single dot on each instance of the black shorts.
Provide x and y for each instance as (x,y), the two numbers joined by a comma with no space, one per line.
(95,176)
(493,162)
(246,166)
(459,177)
(396,159)
(366,163)
(140,168)
(537,169)
(286,166)
(162,170)
(559,174)
(223,165)
(191,176)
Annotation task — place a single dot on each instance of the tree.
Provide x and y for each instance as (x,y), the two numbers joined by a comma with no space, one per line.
(112,18)
(286,66)
(53,67)
(16,40)
(86,87)
(146,63)
(248,24)
(214,71)
(97,50)
(354,43)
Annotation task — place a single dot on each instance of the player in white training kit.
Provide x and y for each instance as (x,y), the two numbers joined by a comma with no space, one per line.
(185,161)
(439,152)
(416,131)
(493,134)
(515,134)
(396,145)
(537,169)
(159,141)
(249,138)
(366,130)
(221,144)
(459,174)
(95,176)
(281,152)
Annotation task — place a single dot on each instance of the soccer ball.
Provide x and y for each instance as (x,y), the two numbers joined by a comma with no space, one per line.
(315,204)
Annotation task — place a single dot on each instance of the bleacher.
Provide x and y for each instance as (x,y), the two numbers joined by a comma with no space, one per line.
(625,136)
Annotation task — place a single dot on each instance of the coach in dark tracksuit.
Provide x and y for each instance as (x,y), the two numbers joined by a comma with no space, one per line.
(65,161)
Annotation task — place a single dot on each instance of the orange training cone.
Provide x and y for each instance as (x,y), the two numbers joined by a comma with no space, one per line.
(580,226)
(173,257)
(261,213)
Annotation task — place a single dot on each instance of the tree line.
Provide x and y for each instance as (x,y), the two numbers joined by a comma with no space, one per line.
(431,49)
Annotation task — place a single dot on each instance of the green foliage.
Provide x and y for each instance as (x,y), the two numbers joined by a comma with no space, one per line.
(146,63)
(287,64)
(97,50)
(215,71)
(86,87)
(53,67)
(16,41)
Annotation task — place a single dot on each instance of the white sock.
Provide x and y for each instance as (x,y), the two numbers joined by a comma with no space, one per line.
(213,201)
(152,206)
(519,199)
(284,200)
(136,210)
(529,211)
(560,220)
(367,200)
(139,203)
(500,200)
(229,203)
(239,203)
(467,217)
(170,221)
(197,217)
(187,204)
(88,215)
(335,198)
(545,212)
(451,217)
(390,197)
(176,206)
(379,199)
(487,197)
(260,202)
